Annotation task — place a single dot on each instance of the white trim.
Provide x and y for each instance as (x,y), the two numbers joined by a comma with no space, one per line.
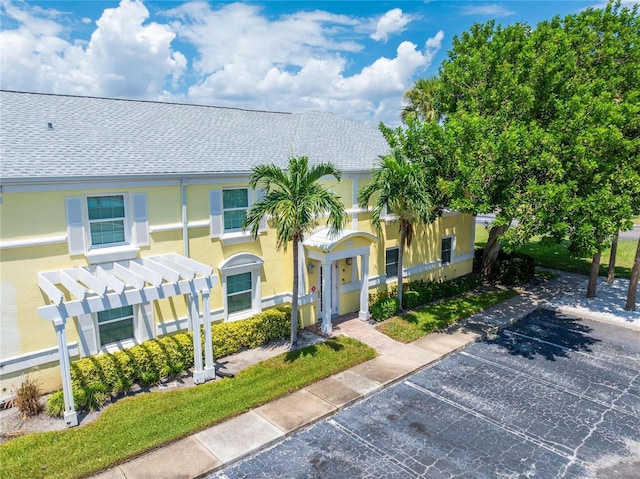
(178,226)
(111,254)
(350,287)
(420,268)
(39,241)
(34,359)
(236,237)
(61,239)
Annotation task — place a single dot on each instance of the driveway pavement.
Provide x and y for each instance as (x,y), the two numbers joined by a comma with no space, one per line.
(548,397)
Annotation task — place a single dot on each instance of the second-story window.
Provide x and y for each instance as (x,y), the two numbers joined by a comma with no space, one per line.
(235,204)
(106,220)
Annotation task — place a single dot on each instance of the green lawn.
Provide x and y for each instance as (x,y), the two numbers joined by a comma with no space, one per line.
(135,425)
(415,324)
(556,255)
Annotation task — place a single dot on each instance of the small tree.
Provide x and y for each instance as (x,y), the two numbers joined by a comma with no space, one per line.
(294,200)
(400,187)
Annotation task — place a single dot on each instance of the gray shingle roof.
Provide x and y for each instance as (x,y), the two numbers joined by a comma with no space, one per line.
(108,137)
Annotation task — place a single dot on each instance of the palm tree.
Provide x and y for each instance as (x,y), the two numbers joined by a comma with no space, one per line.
(402,190)
(420,101)
(294,199)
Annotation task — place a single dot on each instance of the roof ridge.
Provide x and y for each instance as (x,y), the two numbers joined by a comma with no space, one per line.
(145,101)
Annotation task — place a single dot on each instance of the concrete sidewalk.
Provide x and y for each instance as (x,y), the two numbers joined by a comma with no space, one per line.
(227,442)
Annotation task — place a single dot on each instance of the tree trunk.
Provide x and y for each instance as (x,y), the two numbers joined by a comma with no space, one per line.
(612,260)
(491,250)
(633,282)
(294,298)
(403,236)
(593,276)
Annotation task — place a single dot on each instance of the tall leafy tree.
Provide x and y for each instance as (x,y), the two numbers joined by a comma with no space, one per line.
(488,108)
(400,187)
(591,100)
(544,127)
(294,201)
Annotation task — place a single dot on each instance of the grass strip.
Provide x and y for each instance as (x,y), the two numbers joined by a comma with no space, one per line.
(557,256)
(138,424)
(415,324)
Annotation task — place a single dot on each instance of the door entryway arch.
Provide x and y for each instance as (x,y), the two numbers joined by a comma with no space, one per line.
(328,249)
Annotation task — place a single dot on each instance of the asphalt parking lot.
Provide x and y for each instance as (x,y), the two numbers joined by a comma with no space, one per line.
(547,397)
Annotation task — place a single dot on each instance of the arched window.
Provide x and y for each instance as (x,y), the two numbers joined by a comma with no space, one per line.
(241,276)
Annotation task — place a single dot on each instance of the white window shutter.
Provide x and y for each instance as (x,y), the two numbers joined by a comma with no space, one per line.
(75,225)
(145,322)
(88,335)
(140,219)
(260,194)
(215,212)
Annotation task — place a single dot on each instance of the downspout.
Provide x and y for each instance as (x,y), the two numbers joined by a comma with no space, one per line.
(185,224)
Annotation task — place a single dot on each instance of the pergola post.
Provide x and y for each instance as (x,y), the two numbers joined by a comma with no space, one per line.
(209,365)
(198,371)
(70,415)
(363,314)
(326,297)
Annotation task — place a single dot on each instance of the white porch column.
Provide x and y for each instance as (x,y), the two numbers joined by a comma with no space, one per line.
(364,288)
(198,371)
(209,365)
(326,297)
(70,415)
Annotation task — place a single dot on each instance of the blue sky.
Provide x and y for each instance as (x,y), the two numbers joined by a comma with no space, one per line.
(355,58)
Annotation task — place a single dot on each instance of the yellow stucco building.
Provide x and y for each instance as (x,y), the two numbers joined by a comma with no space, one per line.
(120,221)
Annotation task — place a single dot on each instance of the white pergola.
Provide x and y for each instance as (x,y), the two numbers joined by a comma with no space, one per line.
(126,283)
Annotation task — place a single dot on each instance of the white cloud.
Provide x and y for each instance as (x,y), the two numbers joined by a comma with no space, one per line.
(493,10)
(124,57)
(394,21)
(238,57)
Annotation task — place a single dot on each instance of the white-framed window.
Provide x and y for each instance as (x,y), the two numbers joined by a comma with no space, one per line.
(101,225)
(115,325)
(107,220)
(446,250)
(227,211)
(241,292)
(391,262)
(115,328)
(235,203)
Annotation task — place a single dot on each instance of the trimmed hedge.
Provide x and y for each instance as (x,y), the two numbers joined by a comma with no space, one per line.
(384,305)
(96,379)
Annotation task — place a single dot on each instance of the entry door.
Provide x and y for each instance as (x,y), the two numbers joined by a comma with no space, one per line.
(335,289)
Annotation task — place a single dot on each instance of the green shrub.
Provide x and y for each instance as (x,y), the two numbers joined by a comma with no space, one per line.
(410,299)
(516,268)
(55,404)
(91,397)
(384,309)
(96,378)
(418,293)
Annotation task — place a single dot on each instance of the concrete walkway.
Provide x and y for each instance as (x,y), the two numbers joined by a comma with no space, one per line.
(227,442)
